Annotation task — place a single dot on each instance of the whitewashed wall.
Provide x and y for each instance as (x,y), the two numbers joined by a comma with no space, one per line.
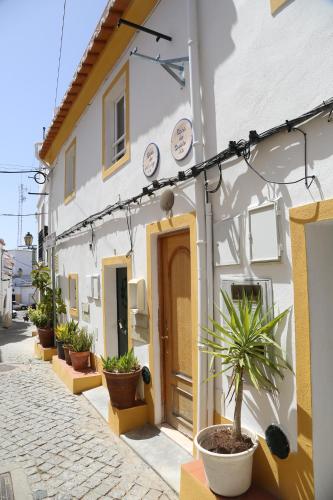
(257,71)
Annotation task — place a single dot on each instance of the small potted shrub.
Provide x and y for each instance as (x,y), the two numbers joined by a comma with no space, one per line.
(80,350)
(122,376)
(41,322)
(246,347)
(72,328)
(61,337)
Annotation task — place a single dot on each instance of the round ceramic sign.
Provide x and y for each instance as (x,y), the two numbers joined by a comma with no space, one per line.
(181,139)
(151,159)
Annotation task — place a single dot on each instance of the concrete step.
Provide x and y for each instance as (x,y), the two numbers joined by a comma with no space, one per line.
(152,444)
(160,452)
(99,398)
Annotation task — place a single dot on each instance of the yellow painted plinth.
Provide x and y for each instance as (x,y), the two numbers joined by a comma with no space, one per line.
(193,485)
(44,353)
(122,421)
(76,382)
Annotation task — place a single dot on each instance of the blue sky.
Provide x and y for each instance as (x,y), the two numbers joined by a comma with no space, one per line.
(29,40)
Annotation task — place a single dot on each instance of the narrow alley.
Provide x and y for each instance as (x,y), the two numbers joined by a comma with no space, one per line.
(60,446)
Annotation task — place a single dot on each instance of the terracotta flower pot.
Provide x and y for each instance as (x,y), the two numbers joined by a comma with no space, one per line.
(80,360)
(67,356)
(46,337)
(122,388)
(60,349)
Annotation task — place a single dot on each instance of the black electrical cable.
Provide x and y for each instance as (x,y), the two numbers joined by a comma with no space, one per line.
(60,53)
(22,215)
(235,149)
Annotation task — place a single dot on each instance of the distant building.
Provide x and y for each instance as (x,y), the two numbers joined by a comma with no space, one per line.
(23,291)
(6,271)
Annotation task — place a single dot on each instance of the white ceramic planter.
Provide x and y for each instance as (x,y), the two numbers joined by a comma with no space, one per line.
(227,475)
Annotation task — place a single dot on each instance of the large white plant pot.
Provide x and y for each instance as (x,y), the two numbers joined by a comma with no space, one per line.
(228,475)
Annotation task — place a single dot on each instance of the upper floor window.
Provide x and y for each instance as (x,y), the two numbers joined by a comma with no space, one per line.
(116,123)
(70,168)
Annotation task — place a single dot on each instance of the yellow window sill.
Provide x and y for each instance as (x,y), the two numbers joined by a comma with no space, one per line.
(69,198)
(74,313)
(108,171)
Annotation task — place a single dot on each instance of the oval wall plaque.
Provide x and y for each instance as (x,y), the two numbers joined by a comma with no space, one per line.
(181,139)
(151,159)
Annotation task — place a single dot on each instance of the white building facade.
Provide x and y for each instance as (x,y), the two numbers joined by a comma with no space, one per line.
(6,272)
(145,277)
(24,261)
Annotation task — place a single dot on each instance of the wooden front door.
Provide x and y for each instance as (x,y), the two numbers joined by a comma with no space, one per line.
(176,330)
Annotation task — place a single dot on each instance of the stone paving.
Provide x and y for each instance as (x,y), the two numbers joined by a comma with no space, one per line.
(65,448)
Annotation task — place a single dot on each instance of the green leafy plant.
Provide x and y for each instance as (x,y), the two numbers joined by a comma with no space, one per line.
(124,364)
(67,331)
(82,341)
(246,345)
(42,281)
(61,332)
(38,318)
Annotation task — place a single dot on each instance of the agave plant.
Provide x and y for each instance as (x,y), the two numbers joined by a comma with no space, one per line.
(246,345)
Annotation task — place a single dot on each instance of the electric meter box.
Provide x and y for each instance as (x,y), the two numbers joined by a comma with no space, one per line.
(253,289)
(137,295)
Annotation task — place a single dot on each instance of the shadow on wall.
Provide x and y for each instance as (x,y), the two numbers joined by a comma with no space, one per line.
(216,45)
(292,477)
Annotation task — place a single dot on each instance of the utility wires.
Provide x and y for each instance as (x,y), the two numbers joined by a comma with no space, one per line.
(60,53)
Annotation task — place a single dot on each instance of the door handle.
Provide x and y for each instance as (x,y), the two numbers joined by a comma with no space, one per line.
(165,337)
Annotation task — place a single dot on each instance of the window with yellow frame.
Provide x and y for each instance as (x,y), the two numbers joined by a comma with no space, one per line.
(73,293)
(70,171)
(116,144)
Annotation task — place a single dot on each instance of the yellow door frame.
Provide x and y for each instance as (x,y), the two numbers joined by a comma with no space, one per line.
(116,261)
(172,224)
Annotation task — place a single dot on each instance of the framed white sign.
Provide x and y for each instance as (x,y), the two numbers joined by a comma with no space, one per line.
(151,159)
(181,139)
(263,233)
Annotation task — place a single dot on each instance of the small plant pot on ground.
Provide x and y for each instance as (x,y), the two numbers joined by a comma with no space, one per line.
(122,388)
(60,349)
(228,474)
(46,337)
(67,356)
(80,360)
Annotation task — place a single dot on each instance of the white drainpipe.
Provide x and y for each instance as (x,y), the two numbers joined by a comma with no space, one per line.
(194,76)
(210,304)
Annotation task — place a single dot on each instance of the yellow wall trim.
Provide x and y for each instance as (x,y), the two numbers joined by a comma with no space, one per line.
(111,169)
(73,311)
(116,261)
(69,196)
(185,221)
(137,12)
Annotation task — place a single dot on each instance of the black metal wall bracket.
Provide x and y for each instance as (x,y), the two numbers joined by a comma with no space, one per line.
(175,66)
(144,29)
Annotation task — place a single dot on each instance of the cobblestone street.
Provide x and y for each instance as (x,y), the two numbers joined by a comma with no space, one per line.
(64,447)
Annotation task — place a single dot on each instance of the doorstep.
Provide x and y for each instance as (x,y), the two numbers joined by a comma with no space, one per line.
(160,452)
(152,444)
(44,353)
(194,486)
(76,381)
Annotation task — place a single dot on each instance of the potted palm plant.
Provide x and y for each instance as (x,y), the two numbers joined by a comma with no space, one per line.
(80,349)
(122,376)
(246,346)
(71,330)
